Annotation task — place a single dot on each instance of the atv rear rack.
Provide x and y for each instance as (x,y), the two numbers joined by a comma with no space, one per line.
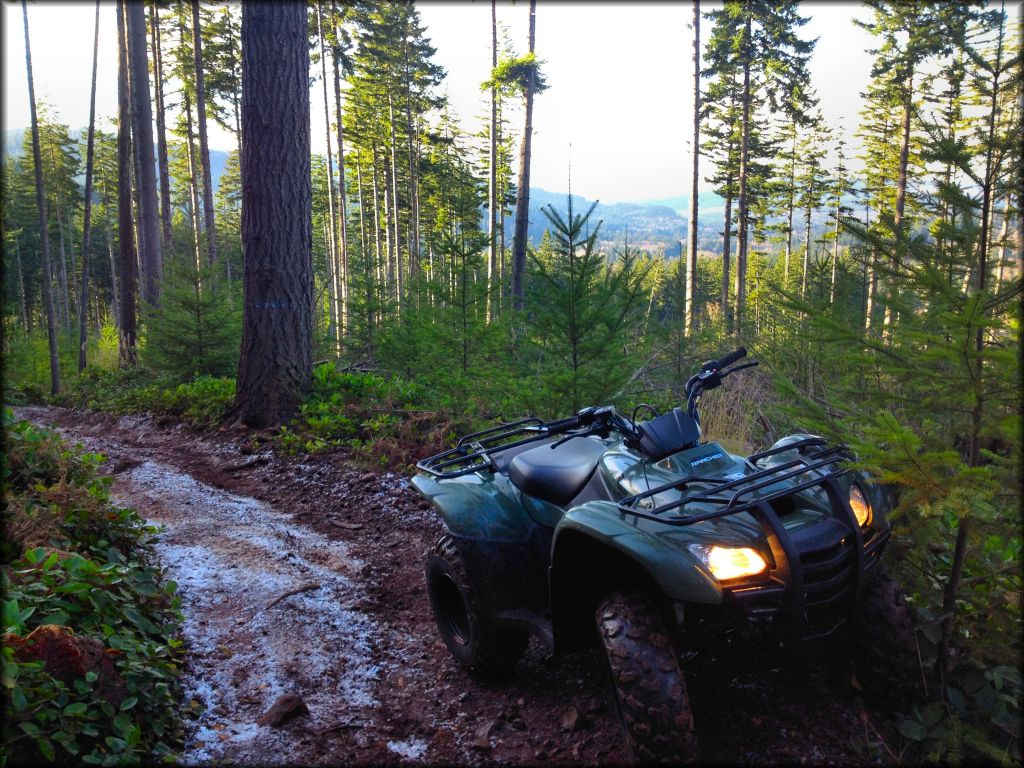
(730,494)
(471,452)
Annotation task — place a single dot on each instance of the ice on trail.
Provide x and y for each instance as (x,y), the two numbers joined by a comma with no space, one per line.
(232,557)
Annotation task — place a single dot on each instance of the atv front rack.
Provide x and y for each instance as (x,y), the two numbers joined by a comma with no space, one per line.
(734,496)
(471,453)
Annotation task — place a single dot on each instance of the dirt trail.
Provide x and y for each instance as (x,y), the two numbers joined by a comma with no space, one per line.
(245,527)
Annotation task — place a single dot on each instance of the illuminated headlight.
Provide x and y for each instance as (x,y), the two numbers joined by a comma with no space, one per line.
(731,562)
(860,505)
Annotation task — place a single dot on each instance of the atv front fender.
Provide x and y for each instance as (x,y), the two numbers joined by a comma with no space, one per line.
(661,553)
(476,509)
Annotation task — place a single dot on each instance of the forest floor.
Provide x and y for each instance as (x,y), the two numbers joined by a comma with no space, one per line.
(304,575)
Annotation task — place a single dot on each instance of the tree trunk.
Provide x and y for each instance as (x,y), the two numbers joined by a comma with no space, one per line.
(399,283)
(835,245)
(126,234)
(726,250)
(276,366)
(204,147)
(790,206)
(161,131)
(691,252)
(83,301)
(523,190)
(807,247)
(492,176)
(114,303)
(190,151)
(44,237)
(142,132)
(342,201)
(741,230)
(332,257)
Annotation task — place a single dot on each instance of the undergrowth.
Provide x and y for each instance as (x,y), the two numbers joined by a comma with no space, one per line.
(91,650)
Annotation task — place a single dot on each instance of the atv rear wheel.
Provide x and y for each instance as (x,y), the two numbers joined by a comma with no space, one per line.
(484,650)
(649,684)
(888,667)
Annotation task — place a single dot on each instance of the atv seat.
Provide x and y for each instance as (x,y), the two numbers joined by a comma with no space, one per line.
(556,474)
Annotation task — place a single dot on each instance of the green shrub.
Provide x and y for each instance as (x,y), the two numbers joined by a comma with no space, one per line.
(84,568)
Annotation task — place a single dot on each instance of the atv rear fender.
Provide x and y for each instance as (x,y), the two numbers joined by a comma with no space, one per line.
(596,549)
(473,509)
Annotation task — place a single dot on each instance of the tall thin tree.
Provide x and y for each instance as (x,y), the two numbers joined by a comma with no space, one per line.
(523,189)
(492,176)
(691,252)
(204,145)
(44,237)
(83,302)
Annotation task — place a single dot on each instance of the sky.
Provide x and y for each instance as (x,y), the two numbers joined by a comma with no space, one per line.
(620,76)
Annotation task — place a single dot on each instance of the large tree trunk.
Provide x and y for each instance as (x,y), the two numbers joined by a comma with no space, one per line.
(691,252)
(204,146)
(741,231)
(276,365)
(83,301)
(523,190)
(142,133)
(161,130)
(44,236)
(128,283)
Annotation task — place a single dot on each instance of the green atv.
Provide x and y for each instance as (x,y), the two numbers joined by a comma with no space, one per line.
(636,535)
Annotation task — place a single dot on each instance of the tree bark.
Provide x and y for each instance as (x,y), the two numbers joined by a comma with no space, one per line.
(523,190)
(492,176)
(83,302)
(128,283)
(276,366)
(204,146)
(161,131)
(142,133)
(44,236)
(691,251)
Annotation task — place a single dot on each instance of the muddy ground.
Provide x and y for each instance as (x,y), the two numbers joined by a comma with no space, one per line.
(304,575)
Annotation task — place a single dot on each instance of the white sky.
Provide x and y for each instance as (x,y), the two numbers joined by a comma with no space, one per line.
(619,76)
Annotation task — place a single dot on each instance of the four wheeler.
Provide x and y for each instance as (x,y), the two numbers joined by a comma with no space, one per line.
(659,542)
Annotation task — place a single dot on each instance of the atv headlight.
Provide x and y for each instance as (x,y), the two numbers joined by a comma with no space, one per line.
(732,562)
(860,505)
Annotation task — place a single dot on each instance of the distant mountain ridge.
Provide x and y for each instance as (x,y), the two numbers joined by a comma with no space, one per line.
(654,223)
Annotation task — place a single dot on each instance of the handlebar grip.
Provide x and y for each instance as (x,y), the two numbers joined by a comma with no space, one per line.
(732,357)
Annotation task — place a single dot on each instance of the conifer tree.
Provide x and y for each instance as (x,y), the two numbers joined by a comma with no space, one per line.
(581,311)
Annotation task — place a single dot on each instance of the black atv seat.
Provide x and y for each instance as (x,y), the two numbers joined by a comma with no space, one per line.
(556,474)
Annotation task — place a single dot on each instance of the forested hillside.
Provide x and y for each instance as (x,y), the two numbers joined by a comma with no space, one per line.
(407,285)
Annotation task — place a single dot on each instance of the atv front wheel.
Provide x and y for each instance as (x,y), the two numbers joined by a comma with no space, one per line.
(483,649)
(886,658)
(649,684)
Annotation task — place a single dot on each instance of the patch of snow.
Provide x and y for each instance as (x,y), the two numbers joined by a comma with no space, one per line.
(232,556)
(411,749)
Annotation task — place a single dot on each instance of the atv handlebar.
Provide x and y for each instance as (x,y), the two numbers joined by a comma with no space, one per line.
(729,359)
(710,376)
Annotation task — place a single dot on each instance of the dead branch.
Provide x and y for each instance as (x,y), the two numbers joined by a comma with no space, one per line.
(298,590)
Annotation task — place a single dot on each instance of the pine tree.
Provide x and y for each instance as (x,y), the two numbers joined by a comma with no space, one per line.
(580,312)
